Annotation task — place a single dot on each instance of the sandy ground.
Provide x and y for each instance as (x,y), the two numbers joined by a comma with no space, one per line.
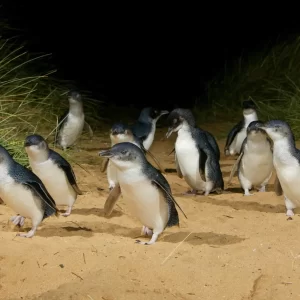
(231,247)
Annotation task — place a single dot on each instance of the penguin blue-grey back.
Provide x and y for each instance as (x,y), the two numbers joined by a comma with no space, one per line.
(25,193)
(145,189)
(55,172)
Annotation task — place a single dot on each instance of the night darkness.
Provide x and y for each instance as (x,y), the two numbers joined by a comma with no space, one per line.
(127,58)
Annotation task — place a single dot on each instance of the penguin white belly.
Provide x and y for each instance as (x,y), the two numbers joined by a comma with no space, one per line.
(111,174)
(149,140)
(71,130)
(236,144)
(289,177)
(144,200)
(257,167)
(55,181)
(188,159)
(19,198)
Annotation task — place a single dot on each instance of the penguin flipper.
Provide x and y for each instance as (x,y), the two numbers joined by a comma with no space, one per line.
(153,157)
(211,139)
(179,173)
(233,132)
(171,152)
(89,129)
(104,165)
(167,193)
(277,187)
(202,163)
(66,168)
(39,189)
(235,167)
(112,200)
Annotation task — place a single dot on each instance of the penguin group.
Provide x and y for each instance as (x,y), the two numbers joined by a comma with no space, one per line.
(259,146)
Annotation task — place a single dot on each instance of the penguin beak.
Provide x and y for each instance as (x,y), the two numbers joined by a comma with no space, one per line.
(106,153)
(170,131)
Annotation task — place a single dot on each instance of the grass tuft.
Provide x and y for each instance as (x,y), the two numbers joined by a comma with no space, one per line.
(30,101)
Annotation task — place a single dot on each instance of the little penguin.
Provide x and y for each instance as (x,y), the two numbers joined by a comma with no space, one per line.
(286,160)
(196,153)
(255,163)
(122,133)
(145,127)
(144,188)
(25,193)
(72,123)
(238,133)
(54,171)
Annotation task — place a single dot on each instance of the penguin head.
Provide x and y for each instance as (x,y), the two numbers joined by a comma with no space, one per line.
(124,155)
(120,133)
(177,118)
(74,97)
(248,107)
(35,145)
(151,114)
(277,129)
(254,130)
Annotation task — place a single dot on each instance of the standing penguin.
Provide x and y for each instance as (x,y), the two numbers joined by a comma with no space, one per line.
(144,188)
(55,172)
(286,159)
(255,163)
(71,124)
(195,157)
(25,193)
(145,127)
(238,133)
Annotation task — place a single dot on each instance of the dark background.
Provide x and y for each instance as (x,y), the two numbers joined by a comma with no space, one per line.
(126,55)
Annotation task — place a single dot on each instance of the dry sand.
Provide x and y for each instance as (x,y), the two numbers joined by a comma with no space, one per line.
(231,247)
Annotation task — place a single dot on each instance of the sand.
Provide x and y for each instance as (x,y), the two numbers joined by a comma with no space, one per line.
(231,247)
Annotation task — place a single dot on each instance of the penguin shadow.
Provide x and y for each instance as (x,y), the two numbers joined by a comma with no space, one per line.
(99,212)
(243,205)
(200,238)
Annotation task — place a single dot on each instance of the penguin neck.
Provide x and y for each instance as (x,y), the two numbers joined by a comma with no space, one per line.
(38,157)
(250,118)
(184,130)
(76,109)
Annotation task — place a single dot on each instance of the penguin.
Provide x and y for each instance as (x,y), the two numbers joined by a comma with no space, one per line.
(122,133)
(55,172)
(238,133)
(195,157)
(145,189)
(25,193)
(286,160)
(145,127)
(255,163)
(72,123)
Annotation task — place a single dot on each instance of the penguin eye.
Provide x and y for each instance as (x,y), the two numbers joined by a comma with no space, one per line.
(124,152)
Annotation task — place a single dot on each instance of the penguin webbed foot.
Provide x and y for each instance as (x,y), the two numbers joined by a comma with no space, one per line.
(289,212)
(68,212)
(151,242)
(146,231)
(190,193)
(29,234)
(18,220)
(262,189)
(247,193)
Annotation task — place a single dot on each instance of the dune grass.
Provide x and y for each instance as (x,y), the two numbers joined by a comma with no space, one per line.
(30,102)
(270,78)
